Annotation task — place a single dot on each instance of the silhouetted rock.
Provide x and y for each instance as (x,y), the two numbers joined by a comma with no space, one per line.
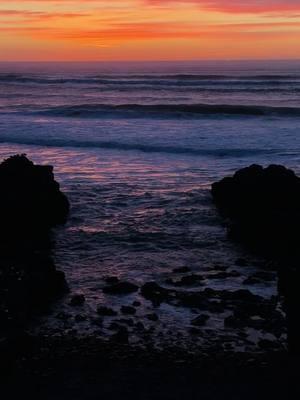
(157,294)
(106,311)
(263,209)
(121,336)
(77,300)
(128,310)
(30,198)
(263,205)
(152,317)
(121,288)
(30,205)
(200,320)
(181,270)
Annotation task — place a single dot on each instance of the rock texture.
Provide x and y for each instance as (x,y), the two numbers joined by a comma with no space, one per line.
(262,207)
(31,203)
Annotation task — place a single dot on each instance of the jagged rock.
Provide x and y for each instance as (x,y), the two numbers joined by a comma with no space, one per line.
(106,311)
(121,288)
(152,317)
(200,320)
(181,270)
(111,280)
(128,310)
(121,336)
(188,280)
(30,205)
(77,300)
(157,294)
(263,205)
(30,198)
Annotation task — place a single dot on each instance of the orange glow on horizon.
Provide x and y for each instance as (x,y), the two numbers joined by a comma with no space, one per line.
(70,30)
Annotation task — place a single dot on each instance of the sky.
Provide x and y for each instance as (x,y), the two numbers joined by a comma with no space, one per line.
(96,30)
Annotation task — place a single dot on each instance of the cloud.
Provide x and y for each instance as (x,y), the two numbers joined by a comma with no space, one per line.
(235,6)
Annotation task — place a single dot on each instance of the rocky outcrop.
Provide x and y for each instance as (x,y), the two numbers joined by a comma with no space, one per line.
(31,203)
(262,207)
(30,200)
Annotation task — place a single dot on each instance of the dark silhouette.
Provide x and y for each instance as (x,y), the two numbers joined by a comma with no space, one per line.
(30,205)
(262,207)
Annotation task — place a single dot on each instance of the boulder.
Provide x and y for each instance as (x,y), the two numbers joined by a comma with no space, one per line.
(120,288)
(31,203)
(263,209)
(30,199)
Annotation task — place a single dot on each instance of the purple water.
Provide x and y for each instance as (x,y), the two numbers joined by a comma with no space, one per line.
(136,146)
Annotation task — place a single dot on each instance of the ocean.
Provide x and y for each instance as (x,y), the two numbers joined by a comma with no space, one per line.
(136,147)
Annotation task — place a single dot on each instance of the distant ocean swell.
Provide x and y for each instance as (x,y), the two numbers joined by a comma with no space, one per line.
(147,148)
(171,110)
(155,80)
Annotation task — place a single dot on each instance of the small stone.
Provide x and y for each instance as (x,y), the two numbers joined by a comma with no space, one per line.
(121,336)
(80,318)
(106,311)
(152,317)
(121,288)
(181,270)
(111,280)
(241,262)
(77,300)
(200,320)
(128,310)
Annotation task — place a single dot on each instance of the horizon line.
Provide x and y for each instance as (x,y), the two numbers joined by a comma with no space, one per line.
(155,61)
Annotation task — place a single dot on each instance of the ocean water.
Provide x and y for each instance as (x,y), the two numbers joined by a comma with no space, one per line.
(136,147)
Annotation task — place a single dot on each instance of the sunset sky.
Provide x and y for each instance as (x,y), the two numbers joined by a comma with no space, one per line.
(149,29)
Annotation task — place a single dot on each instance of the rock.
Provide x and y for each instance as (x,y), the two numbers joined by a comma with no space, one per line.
(111,280)
(106,311)
(264,276)
(128,310)
(77,300)
(266,344)
(30,198)
(263,205)
(136,304)
(194,331)
(121,336)
(233,322)
(157,294)
(200,320)
(126,321)
(181,270)
(251,281)
(188,280)
(152,317)
(31,203)
(140,326)
(80,318)
(223,275)
(121,288)
(241,262)
(63,316)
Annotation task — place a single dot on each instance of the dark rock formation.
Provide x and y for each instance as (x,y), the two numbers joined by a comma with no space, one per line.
(120,288)
(30,198)
(263,205)
(263,210)
(30,205)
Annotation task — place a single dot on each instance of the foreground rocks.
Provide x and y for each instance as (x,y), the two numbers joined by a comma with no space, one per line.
(31,203)
(262,208)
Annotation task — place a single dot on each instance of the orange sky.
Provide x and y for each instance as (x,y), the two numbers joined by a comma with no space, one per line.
(149,29)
